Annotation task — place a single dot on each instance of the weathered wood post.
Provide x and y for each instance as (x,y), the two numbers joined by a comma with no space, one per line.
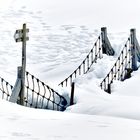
(23,65)
(106,46)
(109,88)
(137,50)
(17,87)
(72,93)
(21,36)
(103,34)
(133,49)
(137,47)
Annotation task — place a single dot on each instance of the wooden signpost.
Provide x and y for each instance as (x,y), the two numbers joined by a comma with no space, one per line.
(21,35)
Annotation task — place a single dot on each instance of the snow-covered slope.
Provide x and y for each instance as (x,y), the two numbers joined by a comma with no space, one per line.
(20,123)
(61,35)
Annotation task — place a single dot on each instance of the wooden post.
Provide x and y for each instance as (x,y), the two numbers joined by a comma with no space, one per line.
(23,65)
(103,37)
(137,50)
(109,88)
(72,93)
(21,36)
(133,49)
(17,88)
(128,72)
(106,46)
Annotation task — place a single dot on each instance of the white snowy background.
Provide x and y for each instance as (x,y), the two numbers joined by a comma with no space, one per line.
(61,34)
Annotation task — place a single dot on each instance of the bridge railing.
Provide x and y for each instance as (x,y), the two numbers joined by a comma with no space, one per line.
(120,69)
(125,64)
(84,67)
(101,46)
(40,95)
(5,89)
(37,94)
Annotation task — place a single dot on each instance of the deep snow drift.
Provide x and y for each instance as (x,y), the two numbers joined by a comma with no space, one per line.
(24,123)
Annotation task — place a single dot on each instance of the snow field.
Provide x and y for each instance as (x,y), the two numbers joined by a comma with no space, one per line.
(60,38)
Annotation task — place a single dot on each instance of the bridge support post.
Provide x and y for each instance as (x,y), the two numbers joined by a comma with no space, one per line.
(21,36)
(21,95)
(133,49)
(106,46)
(109,89)
(72,93)
(138,50)
(17,88)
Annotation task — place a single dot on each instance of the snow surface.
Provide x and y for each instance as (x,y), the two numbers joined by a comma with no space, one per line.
(30,124)
(61,35)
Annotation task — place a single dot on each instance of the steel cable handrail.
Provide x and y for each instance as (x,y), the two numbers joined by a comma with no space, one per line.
(40,95)
(5,89)
(86,64)
(119,69)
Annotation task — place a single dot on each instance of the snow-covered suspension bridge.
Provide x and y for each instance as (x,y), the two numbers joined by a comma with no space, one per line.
(101,46)
(125,64)
(30,91)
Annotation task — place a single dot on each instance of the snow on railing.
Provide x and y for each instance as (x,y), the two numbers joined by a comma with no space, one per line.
(120,69)
(84,67)
(101,46)
(40,95)
(37,94)
(125,64)
(5,89)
